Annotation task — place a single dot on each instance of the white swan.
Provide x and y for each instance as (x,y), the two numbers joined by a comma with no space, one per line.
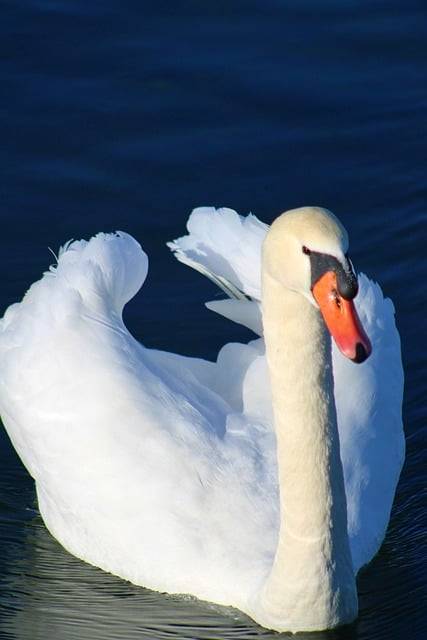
(164,470)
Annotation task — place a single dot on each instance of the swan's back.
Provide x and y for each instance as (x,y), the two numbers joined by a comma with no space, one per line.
(142,467)
(159,468)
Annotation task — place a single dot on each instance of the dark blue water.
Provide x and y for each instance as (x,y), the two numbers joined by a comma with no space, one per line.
(126,115)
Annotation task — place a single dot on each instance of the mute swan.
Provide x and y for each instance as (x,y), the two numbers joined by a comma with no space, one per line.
(165,470)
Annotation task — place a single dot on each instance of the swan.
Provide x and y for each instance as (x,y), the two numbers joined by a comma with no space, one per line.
(262,481)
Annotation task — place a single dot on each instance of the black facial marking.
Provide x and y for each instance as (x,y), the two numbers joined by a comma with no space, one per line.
(346,278)
(361,353)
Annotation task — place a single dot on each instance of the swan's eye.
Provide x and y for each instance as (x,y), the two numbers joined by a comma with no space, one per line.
(306,250)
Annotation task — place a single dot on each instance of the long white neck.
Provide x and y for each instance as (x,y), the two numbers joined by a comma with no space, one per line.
(311,585)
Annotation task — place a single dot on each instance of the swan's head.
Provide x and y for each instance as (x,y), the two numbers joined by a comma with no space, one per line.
(306,251)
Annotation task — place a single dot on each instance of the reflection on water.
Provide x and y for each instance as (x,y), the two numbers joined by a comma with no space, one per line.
(53,595)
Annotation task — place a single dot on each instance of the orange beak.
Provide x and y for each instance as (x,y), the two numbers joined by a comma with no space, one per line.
(341,318)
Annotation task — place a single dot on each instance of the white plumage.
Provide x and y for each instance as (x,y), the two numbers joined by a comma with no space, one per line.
(162,469)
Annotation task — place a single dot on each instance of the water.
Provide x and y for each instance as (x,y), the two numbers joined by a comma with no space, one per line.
(127,115)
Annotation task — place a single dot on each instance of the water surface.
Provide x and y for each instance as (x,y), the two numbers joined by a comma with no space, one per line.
(126,115)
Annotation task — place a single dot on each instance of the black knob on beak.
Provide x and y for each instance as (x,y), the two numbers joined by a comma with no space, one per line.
(346,280)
